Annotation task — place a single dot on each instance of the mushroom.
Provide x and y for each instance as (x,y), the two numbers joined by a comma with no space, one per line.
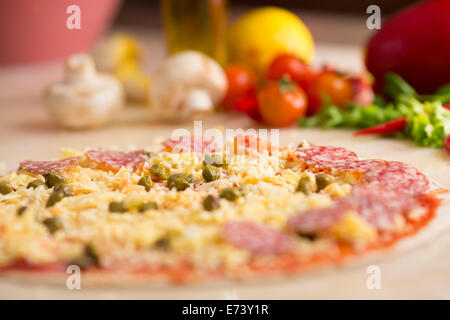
(84,98)
(187,86)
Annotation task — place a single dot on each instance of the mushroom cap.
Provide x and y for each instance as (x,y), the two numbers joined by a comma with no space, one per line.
(84,98)
(171,97)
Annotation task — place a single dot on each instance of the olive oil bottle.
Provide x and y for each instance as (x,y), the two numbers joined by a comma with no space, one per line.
(196,25)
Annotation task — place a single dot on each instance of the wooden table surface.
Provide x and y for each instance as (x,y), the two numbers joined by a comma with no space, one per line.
(27,133)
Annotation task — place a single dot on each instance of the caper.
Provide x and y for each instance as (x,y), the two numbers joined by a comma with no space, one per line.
(230,194)
(304,144)
(116,206)
(5,187)
(215,159)
(162,243)
(309,236)
(304,185)
(21,210)
(55,197)
(146,182)
(151,154)
(148,206)
(180,181)
(160,172)
(65,189)
(88,258)
(35,184)
(244,190)
(53,179)
(210,173)
(181,184)
(323,180)
(53,224)
(211,203)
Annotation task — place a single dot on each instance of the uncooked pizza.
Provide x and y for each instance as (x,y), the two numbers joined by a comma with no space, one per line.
(194,209)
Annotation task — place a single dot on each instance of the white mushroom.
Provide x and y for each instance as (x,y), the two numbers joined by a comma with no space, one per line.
(84,98)
(187,86)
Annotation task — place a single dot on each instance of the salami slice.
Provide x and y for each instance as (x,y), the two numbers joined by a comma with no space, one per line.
(118,159)
(398,176)
(256,238)
(360,165)
(328,157)
(315,220)
(190,144)
(42,167)
(380,206)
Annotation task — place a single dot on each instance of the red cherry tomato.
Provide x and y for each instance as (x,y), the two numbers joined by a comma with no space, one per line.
(281,103)
(288,64)
(242,82)
(336,87)
(250,106)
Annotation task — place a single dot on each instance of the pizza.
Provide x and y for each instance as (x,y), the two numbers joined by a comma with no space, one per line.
(193,209)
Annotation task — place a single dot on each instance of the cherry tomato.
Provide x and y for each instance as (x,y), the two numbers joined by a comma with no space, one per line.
(250,106)
(241,82)
(288,64)
(281,103)
(336,87)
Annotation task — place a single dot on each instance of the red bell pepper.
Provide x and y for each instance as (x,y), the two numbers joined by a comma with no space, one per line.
(389,127)
(414,44)
(447,144)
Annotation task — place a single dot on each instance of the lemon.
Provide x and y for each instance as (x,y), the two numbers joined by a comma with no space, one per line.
(120,55)
(111,52)
(135,82)
(261,34)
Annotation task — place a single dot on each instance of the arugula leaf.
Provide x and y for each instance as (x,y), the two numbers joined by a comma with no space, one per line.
(428,123)
(430,128)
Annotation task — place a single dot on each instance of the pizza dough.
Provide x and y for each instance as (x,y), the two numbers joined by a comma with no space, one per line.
(262,223)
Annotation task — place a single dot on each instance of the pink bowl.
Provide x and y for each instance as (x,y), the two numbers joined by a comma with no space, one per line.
(33,31)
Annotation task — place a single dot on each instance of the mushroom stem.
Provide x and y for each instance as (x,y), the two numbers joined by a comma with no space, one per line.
(197,101)
(79,68)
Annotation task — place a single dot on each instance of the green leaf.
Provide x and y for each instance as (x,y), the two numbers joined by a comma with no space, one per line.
(395,85)
(430,127)
(443,90)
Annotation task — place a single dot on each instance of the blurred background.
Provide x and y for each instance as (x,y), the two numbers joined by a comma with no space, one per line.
(129,41)
(36,37)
